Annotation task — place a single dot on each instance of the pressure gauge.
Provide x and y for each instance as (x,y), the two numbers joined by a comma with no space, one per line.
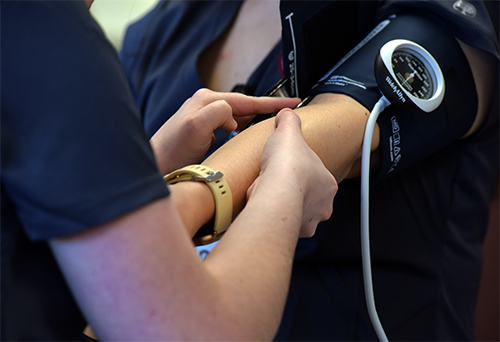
(408,75)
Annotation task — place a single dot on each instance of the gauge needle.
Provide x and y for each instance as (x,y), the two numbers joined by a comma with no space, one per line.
(408,78)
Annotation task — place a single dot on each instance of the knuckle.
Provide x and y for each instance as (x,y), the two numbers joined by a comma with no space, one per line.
(202,94)
(224,105)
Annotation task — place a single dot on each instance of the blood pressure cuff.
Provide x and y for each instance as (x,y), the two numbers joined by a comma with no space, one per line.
(406,138)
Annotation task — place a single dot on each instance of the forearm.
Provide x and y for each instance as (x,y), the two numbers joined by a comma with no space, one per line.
(153,284)
(238,293)
(291,195)
(253,261)
(332,125)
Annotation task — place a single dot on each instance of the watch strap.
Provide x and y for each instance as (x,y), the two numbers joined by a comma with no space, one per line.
(222,196)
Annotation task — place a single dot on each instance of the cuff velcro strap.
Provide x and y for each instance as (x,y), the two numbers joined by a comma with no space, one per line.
(222,196)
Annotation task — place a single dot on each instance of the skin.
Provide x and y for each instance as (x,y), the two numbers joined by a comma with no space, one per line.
(138,277)
(333,126)
(335,119)
(340,125)
(198,117)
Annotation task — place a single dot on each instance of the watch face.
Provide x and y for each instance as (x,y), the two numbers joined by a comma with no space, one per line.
(412,74)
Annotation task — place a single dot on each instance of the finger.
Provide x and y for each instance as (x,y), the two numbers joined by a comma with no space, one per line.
(242,104)
(218,114)
(200,99)
(247,105)
(243,121)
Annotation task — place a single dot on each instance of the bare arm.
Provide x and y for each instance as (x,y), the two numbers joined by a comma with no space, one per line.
(139,278)
(186,137)
(333,126)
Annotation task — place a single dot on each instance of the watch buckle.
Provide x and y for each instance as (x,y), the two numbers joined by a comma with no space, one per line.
(212,176)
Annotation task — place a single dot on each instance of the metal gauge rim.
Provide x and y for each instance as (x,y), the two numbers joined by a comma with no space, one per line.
(427,104)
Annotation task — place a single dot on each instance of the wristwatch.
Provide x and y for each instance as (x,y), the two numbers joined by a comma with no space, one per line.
(222,195)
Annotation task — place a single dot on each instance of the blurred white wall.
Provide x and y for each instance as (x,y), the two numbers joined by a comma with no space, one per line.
(114,16)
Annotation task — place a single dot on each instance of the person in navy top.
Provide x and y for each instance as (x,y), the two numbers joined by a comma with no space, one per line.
(428,217)
(90,231)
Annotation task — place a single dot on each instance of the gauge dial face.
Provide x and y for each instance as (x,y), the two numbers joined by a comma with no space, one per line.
(412,74)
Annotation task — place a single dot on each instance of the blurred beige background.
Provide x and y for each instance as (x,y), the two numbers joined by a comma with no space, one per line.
(115,15)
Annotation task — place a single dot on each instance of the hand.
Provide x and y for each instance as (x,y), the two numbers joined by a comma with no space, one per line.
(186,137)
(287,158)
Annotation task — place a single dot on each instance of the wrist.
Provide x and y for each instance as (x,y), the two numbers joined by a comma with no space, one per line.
(190,198)
(280,200)
(222,199)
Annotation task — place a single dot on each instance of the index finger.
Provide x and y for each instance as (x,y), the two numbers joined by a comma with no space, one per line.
(247,105)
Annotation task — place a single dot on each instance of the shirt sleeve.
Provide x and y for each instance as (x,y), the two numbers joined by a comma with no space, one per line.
(406,137)
(74,152)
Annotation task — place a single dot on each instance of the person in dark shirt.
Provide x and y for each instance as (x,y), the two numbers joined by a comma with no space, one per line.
(91,233)
(428,218)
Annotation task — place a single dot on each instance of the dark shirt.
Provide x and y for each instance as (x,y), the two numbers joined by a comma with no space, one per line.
(160,54)
(427,221)
(74,155)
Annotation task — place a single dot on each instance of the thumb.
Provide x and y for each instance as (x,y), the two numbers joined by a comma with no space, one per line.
(287,118)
